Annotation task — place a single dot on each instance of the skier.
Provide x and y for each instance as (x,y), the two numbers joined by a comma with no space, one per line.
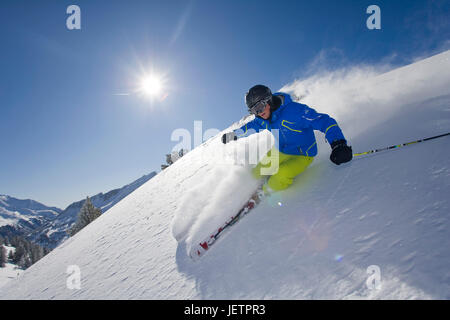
(295,146)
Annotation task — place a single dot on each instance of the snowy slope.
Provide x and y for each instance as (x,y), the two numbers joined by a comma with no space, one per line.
(52,233)
(313,241)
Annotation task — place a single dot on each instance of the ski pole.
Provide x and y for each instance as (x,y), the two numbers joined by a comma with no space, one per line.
(400,145)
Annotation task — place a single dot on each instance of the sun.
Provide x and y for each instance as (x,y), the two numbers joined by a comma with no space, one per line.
(151,85)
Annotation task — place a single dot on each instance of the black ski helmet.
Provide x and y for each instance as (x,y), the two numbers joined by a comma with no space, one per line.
(256,94)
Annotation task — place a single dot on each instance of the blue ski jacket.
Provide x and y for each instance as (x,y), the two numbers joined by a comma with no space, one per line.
(296,123)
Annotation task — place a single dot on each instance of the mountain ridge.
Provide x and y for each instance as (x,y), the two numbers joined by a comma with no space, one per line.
(47,226)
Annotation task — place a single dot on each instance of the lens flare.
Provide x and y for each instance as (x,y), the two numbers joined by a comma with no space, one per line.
(275,200)
(338,257)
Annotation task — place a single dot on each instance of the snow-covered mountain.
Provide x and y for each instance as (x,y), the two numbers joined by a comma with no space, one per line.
(54,232)
(23,216)
(47,226)
(374,228)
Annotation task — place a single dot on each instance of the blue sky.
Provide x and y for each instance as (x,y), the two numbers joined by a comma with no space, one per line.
(68,130)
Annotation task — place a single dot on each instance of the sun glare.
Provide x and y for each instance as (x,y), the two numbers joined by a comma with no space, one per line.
(151,86)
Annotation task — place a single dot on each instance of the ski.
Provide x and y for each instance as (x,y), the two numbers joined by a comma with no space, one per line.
(202,247)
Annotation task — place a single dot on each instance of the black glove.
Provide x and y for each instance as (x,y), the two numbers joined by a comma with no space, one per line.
(229,136)
(340,153)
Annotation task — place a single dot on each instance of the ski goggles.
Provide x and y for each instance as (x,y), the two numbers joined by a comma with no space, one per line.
(259,107)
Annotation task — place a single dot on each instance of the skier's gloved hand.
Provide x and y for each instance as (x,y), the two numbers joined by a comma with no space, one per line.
(340,153)
(229,136)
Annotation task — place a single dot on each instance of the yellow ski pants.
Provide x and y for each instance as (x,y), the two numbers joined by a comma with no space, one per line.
(282,169)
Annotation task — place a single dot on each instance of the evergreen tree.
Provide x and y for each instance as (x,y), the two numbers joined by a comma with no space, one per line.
(2,256)
(19,253)
(24,262)
(37,252)
(87,214)
(26,253)
(11,255)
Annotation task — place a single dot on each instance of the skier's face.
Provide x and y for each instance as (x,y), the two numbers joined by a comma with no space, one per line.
(266,113)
